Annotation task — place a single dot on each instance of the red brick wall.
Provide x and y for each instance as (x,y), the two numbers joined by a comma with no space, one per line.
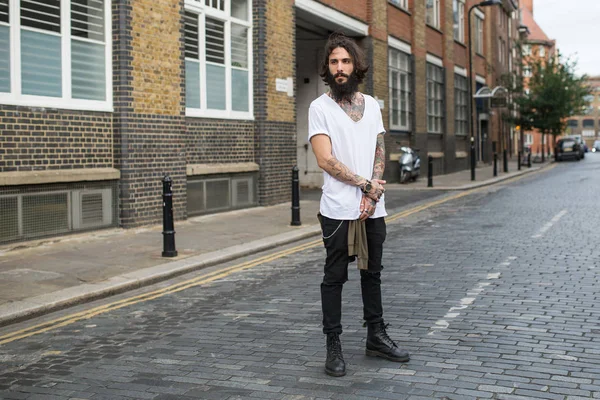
(434,42)
(399,24)
(354,8)
(461,55)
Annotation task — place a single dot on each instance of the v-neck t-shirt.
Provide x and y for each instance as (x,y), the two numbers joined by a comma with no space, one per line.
(353,143)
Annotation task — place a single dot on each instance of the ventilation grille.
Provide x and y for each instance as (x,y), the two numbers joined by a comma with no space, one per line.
(219,194)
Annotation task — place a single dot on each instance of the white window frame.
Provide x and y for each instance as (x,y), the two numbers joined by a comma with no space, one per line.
(15,97)
(478,34)
(528,139)
(436,13)
(461,92)
(542,51)
(526,50)
(459,35)
(400,3)
(439,91)
(203,11)
(404,50)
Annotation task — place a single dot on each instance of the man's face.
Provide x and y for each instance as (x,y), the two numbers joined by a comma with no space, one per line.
(340,65)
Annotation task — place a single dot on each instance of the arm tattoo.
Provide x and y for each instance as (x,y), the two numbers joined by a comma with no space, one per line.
(342,173)
(379,164)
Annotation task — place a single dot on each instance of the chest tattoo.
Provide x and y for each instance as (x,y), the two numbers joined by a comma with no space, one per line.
(356,109)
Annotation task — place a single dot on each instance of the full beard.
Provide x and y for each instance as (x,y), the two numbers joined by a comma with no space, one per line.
(342,92)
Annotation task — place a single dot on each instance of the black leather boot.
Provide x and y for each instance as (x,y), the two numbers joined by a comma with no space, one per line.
(379,344)
(335,365)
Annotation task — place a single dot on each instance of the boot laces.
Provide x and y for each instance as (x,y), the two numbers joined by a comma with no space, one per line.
(384,336)
(335,346)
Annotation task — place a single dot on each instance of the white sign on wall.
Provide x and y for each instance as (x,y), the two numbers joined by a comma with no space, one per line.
(285,85)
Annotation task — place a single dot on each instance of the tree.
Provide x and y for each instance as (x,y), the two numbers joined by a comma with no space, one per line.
(555,93)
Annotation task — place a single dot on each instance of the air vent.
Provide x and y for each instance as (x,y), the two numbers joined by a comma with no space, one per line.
(92,208)
(242,193)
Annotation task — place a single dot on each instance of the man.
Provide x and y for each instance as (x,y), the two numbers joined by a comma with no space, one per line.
(346,133)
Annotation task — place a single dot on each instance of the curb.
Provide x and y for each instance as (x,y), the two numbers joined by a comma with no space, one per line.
(36,306)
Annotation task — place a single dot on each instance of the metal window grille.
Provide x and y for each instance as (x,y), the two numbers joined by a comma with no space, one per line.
(37,211)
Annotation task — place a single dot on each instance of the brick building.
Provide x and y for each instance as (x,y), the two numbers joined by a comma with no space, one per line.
(588,124)
(535,46)
(99,99)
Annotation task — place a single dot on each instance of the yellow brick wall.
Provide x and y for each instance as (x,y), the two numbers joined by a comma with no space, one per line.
(280,63)
(156,63)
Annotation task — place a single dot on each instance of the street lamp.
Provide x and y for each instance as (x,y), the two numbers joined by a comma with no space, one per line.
(472,139)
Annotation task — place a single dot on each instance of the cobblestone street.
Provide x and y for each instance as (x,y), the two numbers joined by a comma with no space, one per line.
(494,294)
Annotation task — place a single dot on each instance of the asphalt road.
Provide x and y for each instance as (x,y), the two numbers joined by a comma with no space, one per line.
(494,294)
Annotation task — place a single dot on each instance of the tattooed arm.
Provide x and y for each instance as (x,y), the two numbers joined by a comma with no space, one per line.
(379,164)
(367,204)
(321,145)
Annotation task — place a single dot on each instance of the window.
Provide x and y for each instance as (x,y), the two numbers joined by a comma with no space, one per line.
(526,50)
(527,72)
(435,98)
(400,3)
(56,53)
(458,11)
(400,89)
(478,35)
(432,16)
(573,123)
(528,139)
(218,58)
(542,51)
(588,123)
(461,118)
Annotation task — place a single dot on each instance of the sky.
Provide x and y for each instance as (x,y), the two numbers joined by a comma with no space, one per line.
(575,25)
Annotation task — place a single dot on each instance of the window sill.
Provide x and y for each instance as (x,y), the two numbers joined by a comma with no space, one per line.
(479,55)
(56,103)
(404,10)
(461,44)
(218,114)
(435,29)
(399,131)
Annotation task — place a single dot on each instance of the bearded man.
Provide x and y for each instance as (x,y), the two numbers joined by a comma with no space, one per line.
(346,134)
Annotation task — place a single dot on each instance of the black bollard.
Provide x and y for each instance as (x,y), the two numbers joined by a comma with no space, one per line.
(529,160)
(519,163)
(505,160)
(168,228)
(495,164)
(295,198)
(472,159)
(429,171)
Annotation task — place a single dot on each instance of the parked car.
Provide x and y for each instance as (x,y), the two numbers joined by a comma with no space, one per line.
(596,146)
(579,140)
(567,148)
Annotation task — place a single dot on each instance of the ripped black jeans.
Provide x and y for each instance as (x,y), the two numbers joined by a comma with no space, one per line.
(335,238)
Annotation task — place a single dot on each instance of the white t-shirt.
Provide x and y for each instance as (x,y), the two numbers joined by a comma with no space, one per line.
(353,144)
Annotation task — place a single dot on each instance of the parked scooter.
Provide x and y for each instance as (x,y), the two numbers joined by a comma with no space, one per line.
(409,164)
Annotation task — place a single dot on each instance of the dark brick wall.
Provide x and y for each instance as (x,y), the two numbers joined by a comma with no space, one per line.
(37,139)
(219,141)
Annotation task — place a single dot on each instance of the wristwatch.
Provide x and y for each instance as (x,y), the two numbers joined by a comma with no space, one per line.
(367,187)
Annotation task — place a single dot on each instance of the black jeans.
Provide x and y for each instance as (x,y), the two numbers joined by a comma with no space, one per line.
(335,238)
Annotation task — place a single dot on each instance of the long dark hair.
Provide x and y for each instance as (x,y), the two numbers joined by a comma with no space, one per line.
(336,40)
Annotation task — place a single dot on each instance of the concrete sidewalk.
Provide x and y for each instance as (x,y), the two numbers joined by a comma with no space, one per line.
(46,275)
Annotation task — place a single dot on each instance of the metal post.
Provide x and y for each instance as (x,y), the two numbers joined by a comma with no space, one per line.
(505,160)
(473,159)
(295,197)
(529,159)
(519,163)
(495,164)
(429,171)
(168,227)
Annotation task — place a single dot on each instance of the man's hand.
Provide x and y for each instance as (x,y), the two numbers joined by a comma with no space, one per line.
(367,208)
(377,189)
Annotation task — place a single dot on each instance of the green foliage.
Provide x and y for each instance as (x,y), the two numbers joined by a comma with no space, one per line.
(555,93)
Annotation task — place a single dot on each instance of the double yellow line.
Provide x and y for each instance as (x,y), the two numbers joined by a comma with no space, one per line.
(206,278)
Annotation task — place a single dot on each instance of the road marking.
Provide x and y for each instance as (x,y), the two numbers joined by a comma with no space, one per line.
(465,302)
(549,225)
(213,276)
